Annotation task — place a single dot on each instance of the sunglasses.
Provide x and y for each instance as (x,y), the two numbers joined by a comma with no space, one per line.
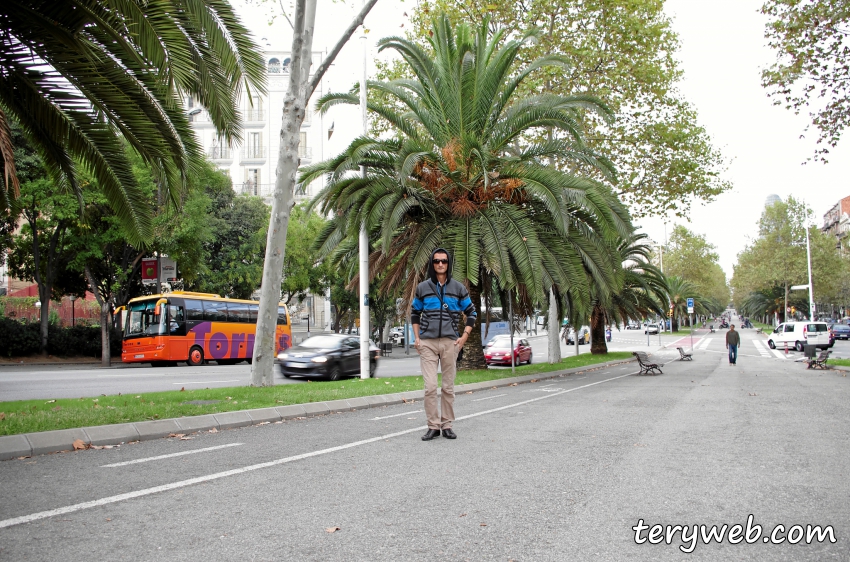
(437,262)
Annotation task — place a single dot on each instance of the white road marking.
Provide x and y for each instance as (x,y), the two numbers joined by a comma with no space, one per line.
(236,471)
(396,415)
(125,463)
(488,397)
(703,344)
(204,382)
(763,351)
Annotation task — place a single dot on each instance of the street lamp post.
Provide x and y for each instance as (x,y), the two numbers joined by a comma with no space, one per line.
(72,298)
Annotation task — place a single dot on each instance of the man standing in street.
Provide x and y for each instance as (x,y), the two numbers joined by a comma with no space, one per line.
(733,340)
(435,313)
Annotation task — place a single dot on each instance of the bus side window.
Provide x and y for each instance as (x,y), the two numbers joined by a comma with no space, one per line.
(194,310)
(215,311)
(237,312)
(281,316)
(176,320)
(253,313)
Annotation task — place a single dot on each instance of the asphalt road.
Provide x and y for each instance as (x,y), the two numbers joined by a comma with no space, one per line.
(550,471)
(30,382)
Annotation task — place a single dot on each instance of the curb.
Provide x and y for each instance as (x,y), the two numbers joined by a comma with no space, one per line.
(62,440)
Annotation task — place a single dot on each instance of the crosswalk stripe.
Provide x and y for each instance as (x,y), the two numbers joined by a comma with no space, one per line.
(761,348)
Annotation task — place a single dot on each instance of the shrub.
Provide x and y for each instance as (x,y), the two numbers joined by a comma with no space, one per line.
(24,338)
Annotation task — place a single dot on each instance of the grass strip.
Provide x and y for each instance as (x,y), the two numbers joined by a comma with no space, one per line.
(28,416)
(838,362)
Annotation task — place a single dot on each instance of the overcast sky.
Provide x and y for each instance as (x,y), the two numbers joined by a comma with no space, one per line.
(722,52)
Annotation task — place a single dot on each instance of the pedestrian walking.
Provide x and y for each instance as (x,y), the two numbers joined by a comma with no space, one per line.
(733,340)
(608,334)
(435,314)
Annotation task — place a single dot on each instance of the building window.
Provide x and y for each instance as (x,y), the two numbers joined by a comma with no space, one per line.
(274,66)
(252,182)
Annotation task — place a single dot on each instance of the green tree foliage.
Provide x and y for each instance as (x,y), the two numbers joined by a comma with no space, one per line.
(458,175)
(233,254)
(303,269)
(690,256)
(810,38)
(777,259)
(622,51)
(83,77)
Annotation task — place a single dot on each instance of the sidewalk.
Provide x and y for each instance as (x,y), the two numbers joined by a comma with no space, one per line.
(45,442)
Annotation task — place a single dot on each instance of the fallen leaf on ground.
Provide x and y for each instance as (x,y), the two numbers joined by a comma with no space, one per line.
(213,430)
(186,438)
(182,389)
(462,515)
(533,380)
(50,401)
(56,409)
(482,525)
(138,396)
(263,423)
(79,444)
(470,392)
(95,399)
(753,394)
(388,382)
(176,434)
(513,384)
(2,416)
(332,529)
(229,397)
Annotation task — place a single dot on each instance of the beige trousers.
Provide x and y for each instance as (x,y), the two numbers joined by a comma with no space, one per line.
(445,351)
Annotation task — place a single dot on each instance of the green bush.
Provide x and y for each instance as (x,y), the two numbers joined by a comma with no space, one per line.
(24,338)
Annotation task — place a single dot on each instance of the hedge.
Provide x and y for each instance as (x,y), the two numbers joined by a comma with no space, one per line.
(24,338)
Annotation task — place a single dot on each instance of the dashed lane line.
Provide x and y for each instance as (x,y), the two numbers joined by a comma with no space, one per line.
(160,457)
(237,471)
(396,415)
(488,397)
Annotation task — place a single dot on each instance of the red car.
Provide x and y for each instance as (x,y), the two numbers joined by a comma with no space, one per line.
(499,351)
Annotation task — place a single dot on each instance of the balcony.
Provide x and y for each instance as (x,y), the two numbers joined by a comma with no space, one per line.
(255,117)
(254,153)
(305,152)
(220,154)
(250,189)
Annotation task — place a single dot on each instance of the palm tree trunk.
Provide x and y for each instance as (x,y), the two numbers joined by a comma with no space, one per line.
(473,353)
(597,331)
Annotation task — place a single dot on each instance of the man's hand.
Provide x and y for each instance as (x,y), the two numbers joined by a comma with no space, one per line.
(416,344)
(462,339)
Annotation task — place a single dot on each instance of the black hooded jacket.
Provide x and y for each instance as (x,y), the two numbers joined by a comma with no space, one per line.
(437,309)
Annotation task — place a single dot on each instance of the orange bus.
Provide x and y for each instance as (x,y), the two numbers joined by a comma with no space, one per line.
(195,327)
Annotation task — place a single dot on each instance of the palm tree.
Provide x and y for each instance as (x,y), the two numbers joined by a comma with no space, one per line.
(83,76)
(460,175)
(679,292)
(643,291)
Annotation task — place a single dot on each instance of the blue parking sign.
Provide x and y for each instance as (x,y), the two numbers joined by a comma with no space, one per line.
(690,303)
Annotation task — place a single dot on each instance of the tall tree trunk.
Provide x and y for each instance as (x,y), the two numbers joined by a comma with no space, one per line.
(473,353)
(301,87)
(597,331)
(554,334)
(105,323)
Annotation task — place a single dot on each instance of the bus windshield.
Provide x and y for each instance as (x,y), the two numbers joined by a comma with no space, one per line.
(143,319)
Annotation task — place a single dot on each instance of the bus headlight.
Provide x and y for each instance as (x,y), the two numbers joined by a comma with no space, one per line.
(320,359)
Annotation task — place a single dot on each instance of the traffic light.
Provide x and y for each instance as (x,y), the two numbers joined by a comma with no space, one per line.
(669,314)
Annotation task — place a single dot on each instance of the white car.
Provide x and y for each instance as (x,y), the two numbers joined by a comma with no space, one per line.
(651,329)
(798,334)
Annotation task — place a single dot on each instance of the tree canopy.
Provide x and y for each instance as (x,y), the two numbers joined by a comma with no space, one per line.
(623,52)
(811,72)
(82,77)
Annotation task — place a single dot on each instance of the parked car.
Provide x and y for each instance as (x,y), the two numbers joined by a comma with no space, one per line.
(633,326)
(798,334)
(651,329)
(329,356)
(583,336)
(499,351)
(840,331)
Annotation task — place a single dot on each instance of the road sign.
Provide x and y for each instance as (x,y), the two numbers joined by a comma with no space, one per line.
(690,305)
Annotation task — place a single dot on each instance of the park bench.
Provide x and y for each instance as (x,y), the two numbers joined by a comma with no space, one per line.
(685,356)
(647,367)
(819,362)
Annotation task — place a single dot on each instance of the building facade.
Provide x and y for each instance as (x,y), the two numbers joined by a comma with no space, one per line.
(252,163)
(836,222)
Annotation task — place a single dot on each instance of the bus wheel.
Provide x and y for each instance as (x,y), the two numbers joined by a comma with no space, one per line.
(196,356)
